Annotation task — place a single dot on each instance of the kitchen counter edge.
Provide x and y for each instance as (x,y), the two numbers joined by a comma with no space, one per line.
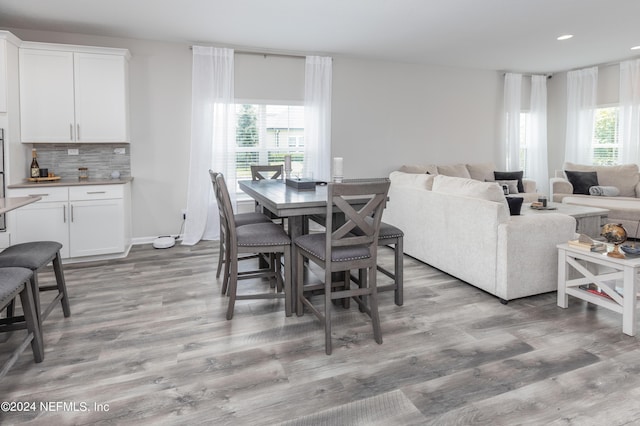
(71,182)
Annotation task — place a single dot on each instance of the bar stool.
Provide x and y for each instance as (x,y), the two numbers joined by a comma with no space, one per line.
(36,255)
(15,282)
(390,234)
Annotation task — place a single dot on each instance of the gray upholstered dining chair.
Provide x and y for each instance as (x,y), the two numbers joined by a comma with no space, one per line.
(390,235)
(260,172)
(16,282)
(35,255)
(340,250)
(254,238)
(240,219)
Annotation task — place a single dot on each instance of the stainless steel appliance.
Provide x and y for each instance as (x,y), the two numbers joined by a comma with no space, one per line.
(3,223)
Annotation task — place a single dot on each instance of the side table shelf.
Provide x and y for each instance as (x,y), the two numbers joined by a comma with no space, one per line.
(584,263)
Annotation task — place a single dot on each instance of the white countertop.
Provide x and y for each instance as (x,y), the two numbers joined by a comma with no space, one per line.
(71,182)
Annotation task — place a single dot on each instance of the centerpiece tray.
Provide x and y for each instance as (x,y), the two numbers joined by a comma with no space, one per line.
(44,179)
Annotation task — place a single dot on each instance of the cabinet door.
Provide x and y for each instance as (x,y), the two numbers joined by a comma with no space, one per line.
(3,76)
(96,227)
(46,96)
(42,222)
(101,98)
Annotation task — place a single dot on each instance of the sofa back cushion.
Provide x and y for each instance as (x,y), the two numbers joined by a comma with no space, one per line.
(481,171)
(432,169)
(489,191)
(416,180)
(625,177)
(454,170)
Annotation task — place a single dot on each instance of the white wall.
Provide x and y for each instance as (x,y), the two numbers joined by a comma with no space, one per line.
(384,115)
(388,114)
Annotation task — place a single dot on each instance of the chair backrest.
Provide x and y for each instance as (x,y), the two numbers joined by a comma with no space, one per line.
(266,172)
(363,213)
(224,204)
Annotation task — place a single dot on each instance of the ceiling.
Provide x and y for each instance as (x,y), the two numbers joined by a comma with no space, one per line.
(505,35)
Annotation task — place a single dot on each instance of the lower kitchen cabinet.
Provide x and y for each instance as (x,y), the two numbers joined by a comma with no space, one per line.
(87,220)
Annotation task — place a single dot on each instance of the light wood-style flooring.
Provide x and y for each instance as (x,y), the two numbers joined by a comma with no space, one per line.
(148,343)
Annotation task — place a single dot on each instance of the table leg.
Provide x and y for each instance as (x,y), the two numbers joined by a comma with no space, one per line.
(296,229)
(563,272)
(629,301)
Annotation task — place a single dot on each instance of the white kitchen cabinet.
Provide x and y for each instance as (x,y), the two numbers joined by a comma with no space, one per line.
(45,220)
(73,94)
(87,220)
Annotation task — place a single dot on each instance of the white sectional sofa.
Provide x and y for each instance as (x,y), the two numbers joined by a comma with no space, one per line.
(624,208)
(463,227)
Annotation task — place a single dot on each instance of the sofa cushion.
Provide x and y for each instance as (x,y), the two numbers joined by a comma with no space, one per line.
(582,181)
(490,191)
(431,169)
(512,186)
(423,181)
(481,171)
(511,176)
(454,170)
(625,177)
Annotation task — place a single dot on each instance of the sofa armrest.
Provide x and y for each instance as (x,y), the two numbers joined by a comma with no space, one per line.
(529,185)
(638,190)
(560,187)
(527,253)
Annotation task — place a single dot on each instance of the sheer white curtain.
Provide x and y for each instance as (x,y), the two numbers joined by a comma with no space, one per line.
(512,100)
(536,134)
(212,139)
(581,105)
(317,117)
(629,119)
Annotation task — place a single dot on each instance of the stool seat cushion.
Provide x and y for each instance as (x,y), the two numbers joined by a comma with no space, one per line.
(33,255)
(262,234)
(389,231)
(250,218)
(315,244)
(11,280)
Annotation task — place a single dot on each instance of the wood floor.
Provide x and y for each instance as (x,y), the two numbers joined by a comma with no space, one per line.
(148,343)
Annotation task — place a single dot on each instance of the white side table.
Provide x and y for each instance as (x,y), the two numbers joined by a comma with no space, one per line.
(584,263)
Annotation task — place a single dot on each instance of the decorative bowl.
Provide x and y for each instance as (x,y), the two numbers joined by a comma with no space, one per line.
(631,250)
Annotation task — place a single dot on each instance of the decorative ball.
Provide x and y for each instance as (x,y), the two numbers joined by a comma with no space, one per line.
(614,233)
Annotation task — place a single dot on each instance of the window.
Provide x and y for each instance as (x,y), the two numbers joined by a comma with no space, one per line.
(265,133)
(605,146)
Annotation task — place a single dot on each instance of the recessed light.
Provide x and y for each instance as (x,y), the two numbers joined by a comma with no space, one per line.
(565,37)
(635,48)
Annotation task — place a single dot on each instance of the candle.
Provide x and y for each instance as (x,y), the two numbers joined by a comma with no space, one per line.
(337,169)
(287,164)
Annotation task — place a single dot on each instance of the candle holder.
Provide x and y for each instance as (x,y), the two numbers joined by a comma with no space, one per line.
(287,166)
(337,169)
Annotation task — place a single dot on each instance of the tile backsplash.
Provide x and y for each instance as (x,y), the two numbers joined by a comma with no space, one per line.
(100,159)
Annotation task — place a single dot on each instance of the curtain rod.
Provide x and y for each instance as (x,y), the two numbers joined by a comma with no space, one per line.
(265,54)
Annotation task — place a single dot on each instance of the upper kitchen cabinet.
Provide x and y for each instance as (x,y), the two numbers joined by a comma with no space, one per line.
(73,94)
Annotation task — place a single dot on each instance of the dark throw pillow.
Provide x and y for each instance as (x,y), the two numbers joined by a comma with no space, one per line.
(511,176)
(515,205)
(582,181)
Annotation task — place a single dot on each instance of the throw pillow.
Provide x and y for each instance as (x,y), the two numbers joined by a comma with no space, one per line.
(511,184)
(481,171)
(515,205)
(511,176)
(582,181)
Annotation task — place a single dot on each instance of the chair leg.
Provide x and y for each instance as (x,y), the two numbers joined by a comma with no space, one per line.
(373,305)
(327,312)
(398,272)
(225,279)
(299,283)
(62,286)
(33,325)
(220,257)
(287,282)
(233,284)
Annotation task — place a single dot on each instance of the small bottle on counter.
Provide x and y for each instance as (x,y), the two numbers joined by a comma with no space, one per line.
(35,168)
